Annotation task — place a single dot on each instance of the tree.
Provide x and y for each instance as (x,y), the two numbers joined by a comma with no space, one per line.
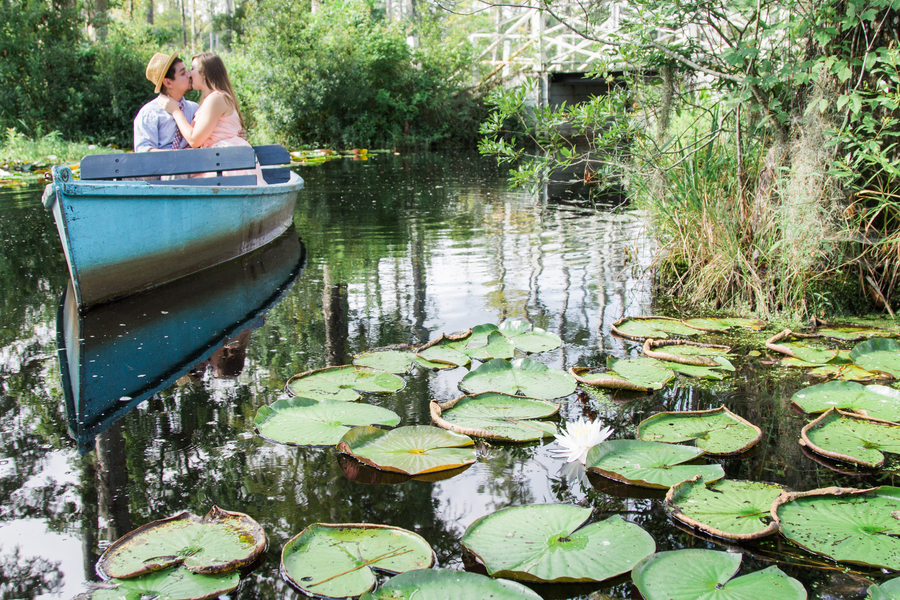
(778,91)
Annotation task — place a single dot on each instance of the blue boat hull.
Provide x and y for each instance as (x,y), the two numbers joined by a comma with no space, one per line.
(120,238)
(115,356)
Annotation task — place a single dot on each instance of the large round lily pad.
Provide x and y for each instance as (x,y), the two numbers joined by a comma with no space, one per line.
(218,542)
(881,355)
(393,361)
(337,560)
(551,543)
(692,574)
(846,525)
(528,338)
(649,464)
(449,349)
(172,583)
(718,431)
(411,450)
(496,416)
(724,323)
(637,374)
(447,584)
(852,333)
(735,510)
(851,438)
(343,383)
(641,328)
(306,422)
(876,401)
(522,377)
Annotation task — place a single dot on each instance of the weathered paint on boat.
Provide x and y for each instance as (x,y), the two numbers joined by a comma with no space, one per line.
(115,356)
(123,237)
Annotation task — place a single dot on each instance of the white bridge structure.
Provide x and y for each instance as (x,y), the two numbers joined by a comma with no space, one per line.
(526,41)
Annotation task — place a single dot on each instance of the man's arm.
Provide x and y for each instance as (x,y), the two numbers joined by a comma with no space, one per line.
(146,133)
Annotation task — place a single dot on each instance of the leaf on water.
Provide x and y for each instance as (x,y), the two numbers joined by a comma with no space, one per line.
(411,450)
(307,422)
(172,583)
(218,542)
(343,383)
(551,543)
(649,464)
(735,510)
(398,362)
(337,560)
(447,584)
(851,438)
(496,416)
(642,328)
(694,573)
(718,431)
(879,355)
(876,401)
(520,377)
(847,525)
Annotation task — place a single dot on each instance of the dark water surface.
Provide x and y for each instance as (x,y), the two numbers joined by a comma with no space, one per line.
(397,249)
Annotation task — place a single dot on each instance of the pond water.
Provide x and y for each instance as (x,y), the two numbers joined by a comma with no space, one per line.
(392,250)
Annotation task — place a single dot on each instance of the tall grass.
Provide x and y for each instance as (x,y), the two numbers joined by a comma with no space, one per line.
(16,148)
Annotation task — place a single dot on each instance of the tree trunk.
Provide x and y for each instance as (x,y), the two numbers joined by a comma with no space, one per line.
(149,12)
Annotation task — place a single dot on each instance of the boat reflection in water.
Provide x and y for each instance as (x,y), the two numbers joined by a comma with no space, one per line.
(114,356)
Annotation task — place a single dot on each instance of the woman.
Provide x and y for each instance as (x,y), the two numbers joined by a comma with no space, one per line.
(218,121)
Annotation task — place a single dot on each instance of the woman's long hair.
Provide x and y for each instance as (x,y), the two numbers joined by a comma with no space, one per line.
(213,71)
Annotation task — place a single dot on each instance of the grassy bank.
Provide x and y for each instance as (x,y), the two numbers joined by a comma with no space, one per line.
(24,160)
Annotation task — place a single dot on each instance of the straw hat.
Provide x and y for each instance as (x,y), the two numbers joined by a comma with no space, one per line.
(157,67)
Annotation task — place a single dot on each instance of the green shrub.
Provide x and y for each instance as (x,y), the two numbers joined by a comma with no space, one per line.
(341,77)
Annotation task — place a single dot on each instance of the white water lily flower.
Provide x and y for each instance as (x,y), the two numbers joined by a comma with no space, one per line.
(579,437)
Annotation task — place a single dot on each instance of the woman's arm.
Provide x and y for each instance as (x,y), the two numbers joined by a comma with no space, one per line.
(208,115)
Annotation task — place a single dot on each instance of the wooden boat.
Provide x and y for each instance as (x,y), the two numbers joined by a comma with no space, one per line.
(114,356)
(122,236)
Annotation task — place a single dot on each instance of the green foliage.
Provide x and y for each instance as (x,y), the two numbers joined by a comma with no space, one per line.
(51,79)
(341,77)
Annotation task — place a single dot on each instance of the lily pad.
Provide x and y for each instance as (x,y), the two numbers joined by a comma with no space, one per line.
(725,323)
(641,328)
(889,590)
(852,333)
(218,542)
(343,383)
(688,352)
(398,362)
(550,543)
(528,338)
(447,584)
(692,574)
(718,431)
(649,464)
(337,560)
(173,583)
(523,376)
(648,373)
(846,525)
(496,416)
(645,372)
(411,450)
(718,372)
(449,349)
(811,354)
(734,510)
(876,401)
(880,354)
(306,422)
(489,343)
(851,438)
(843,372)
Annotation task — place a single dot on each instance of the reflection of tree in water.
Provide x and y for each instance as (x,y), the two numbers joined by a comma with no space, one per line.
(27,577)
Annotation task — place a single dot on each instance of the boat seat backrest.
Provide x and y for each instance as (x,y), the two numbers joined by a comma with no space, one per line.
(186,162)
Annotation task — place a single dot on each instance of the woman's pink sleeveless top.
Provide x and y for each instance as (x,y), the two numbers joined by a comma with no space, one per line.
(226,130)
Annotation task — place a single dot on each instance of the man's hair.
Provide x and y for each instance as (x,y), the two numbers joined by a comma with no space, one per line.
(212,69)
(170,74)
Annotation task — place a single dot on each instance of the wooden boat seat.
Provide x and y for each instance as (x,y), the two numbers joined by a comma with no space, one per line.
(116,167)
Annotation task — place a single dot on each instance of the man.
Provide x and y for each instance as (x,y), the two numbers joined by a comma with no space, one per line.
(154,128)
